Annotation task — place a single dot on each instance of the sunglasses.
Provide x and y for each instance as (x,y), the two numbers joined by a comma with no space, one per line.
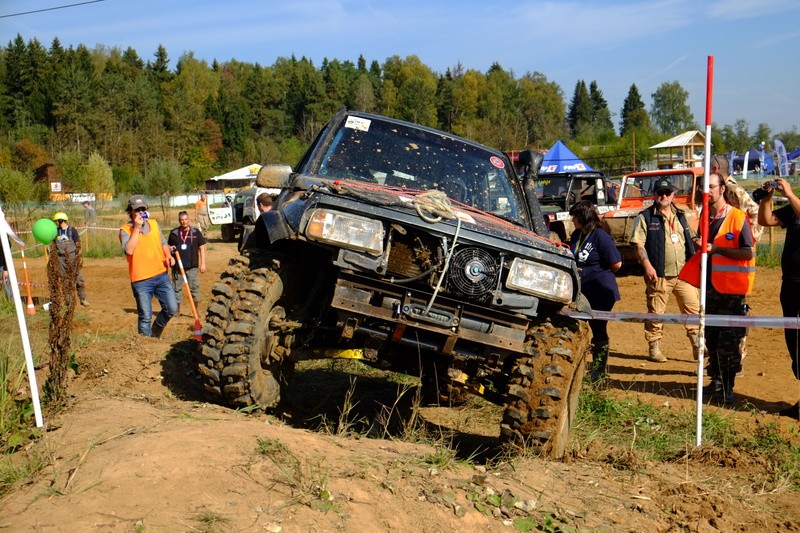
(140,210)
(665,192)
(60,221)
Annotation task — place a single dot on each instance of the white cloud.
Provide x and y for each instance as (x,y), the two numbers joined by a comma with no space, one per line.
(740,9)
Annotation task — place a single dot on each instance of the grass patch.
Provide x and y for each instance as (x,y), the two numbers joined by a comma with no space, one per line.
(628,425)
(308,482)
(211,522)
(18,469)
(767,256)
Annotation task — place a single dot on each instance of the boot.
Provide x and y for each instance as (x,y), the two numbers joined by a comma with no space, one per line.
(599,369)
(713,389)
(655,354)
(727,388)
(157,330)
(694,339)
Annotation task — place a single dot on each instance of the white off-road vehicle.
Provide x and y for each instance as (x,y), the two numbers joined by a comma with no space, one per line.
(241,212)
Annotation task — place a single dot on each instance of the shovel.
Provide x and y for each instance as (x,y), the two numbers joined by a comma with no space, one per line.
(198,329)
(31,308)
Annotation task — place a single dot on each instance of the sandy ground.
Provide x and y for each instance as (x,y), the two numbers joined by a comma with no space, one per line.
(137,449)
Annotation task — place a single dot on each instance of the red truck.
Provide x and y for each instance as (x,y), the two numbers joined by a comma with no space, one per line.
(636,193)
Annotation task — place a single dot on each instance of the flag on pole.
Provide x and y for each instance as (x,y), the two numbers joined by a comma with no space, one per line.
(783,160)
(10,232)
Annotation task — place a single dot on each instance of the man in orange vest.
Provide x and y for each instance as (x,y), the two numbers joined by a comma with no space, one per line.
(720,165)
(731,273)
(201,213)
(149,260)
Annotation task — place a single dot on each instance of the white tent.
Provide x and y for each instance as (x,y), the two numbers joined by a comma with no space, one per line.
(241,177)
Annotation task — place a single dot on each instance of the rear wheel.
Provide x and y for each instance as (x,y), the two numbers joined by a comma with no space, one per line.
(544,386)
(228,232)
(246,339)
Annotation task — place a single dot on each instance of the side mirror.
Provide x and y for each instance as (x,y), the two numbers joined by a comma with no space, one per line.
(274,176)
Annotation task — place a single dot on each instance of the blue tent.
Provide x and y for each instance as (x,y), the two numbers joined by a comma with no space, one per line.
(753,161)
(560,159)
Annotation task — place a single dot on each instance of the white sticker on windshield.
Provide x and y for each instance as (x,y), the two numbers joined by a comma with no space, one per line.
(358,123)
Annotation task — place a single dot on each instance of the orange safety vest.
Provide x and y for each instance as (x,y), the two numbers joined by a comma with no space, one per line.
(732,276)
(148,259)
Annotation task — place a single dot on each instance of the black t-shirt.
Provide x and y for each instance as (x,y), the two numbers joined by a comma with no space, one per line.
(790,259)
(188,244)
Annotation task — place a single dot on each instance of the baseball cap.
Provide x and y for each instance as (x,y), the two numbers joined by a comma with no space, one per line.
(663,184)
(136,201)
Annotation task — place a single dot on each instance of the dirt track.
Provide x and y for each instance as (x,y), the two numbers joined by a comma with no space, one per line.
(136,449)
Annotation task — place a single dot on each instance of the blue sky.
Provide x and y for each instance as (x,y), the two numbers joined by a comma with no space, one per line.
(755,44)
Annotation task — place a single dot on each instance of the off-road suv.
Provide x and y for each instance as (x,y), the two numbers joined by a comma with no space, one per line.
(557,193)
(396,243)
(242,212)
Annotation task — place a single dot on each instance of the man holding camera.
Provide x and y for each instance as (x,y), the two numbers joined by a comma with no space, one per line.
(149,260)
(787,217)
(664,242)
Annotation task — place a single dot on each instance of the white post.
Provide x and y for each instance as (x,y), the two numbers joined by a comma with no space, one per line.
(5,231)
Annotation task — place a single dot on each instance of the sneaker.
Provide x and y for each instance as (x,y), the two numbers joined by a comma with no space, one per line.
(791,412)
(84,303)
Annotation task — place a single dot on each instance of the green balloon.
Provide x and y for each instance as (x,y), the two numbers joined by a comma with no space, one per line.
(44,230)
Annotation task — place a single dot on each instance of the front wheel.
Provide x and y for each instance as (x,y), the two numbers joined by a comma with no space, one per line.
(544,386)
(247,340)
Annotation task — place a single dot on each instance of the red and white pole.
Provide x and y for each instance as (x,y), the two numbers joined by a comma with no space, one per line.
(704,258)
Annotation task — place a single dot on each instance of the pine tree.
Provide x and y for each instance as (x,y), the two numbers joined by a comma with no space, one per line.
(579,115)
(633,115)
(601,115)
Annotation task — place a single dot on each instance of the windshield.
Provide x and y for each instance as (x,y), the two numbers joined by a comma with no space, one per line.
(399,155)
(642,186)
(559,192)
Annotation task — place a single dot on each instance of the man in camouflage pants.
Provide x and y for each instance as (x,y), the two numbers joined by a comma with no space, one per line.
(731,273)
(720,165)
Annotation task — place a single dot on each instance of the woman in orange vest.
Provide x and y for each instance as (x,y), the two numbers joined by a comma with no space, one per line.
(731,272)
(149,260)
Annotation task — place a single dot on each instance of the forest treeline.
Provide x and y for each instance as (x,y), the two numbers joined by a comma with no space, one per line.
(107,120)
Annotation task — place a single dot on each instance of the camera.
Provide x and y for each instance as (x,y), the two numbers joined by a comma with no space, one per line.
(145,214)
(761,193)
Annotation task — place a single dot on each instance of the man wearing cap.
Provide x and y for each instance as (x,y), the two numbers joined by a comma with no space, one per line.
(664,242)
(149,260)
(68,247)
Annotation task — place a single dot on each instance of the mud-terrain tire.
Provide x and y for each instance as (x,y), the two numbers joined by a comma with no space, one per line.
(545,382)
(246,344)
(228,232)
